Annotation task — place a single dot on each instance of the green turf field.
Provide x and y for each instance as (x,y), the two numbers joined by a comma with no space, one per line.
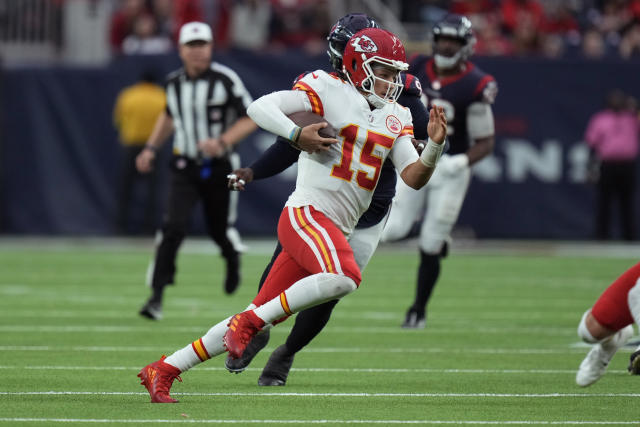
(500,345)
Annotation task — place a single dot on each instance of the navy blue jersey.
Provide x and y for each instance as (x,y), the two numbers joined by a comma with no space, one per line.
(281,155)
(455,94)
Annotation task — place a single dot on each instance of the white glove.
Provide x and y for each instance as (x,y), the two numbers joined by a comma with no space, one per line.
(235,184)
(454,164)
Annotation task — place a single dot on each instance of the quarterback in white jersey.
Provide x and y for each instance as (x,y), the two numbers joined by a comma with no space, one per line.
(334,188)
(340,181)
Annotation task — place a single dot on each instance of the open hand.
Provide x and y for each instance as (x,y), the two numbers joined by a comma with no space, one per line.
(437,126)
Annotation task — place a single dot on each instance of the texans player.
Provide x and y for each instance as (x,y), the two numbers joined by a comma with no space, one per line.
(466,93)
(364,239)
(333,189)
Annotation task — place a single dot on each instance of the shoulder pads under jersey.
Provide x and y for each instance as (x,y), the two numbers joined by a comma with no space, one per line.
(297,79)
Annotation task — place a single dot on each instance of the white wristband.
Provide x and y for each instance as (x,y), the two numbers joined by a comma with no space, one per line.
(431,154)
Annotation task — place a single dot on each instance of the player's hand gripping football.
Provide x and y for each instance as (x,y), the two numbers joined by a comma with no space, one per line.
(437,127)
(311,141)
(239,178)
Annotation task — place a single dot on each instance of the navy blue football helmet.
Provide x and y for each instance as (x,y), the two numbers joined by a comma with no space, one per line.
(342,31)
(455,27)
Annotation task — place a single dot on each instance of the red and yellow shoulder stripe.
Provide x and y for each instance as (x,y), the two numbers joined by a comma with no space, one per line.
(314,99)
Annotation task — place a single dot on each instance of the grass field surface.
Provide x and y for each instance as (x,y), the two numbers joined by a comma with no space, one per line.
(500,347)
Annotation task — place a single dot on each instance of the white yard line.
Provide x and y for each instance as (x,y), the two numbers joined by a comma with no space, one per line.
(365,350)
(386,316)
(354,395)
(320,370)
(331,329)
(327,421)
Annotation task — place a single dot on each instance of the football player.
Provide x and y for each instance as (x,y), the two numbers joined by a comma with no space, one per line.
(364,239)
(466,93)
(333,189)
(608,325)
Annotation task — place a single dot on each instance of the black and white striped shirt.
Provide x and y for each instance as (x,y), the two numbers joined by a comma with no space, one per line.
(204,107)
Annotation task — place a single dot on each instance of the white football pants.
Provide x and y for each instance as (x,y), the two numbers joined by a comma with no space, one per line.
(442,199)
(364,242)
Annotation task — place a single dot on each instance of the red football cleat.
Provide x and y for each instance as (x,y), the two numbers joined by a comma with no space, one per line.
(242,328)
(158,377)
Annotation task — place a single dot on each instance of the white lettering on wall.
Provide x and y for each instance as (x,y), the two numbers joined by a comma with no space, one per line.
(577,159)
(517,160)
(545,164)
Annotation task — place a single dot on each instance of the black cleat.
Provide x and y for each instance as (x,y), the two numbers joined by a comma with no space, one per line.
(634,363)
(277,368)
(232,280)
(152,310)
(258,342)
(414,320)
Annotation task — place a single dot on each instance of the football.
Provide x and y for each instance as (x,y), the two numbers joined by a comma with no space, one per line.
(306,118)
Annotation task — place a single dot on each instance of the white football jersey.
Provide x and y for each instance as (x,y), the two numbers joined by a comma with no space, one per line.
(341,181)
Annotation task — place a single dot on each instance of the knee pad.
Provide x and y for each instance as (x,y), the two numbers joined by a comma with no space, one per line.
(396,229)
(583,332)
(333,286)
(316,289)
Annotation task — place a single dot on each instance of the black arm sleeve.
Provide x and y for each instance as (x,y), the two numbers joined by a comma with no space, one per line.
(419,114)
(277,158)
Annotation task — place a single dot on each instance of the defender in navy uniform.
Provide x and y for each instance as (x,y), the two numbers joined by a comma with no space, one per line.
(449,80)
(364,240)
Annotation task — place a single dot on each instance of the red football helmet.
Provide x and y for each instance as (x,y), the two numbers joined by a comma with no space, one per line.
(368,48)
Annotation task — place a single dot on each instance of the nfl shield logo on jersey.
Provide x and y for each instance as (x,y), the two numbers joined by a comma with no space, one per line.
(364,44)
(393,124)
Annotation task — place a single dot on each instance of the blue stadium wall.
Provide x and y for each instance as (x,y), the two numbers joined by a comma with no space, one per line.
(59,155)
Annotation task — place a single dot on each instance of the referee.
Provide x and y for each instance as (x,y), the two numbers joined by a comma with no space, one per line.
(206,107)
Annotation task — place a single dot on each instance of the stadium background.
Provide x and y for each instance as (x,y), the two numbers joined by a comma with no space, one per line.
(59,151)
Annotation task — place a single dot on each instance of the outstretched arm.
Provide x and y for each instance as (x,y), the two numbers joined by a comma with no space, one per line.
(278,157)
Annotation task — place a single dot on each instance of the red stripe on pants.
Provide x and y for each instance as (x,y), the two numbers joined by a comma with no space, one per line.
(297,259)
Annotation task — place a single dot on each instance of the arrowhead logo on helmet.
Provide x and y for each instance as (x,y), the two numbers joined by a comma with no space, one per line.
(364,44)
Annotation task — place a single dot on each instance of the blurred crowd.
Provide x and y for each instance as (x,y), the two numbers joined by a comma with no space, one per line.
(151,26)
(552,28)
